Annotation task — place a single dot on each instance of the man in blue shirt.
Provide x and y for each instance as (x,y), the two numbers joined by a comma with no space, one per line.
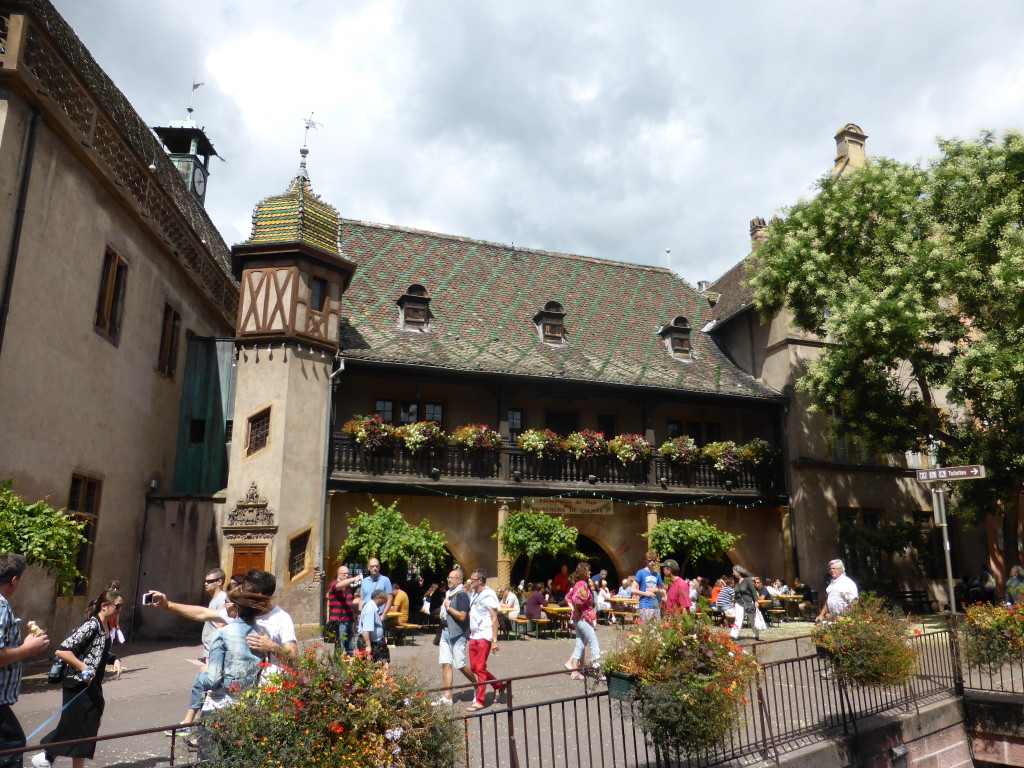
(374,581)
(649,588)
(371,628)
(12,651)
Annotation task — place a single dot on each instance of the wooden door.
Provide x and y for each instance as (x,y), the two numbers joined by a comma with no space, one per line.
(249,557)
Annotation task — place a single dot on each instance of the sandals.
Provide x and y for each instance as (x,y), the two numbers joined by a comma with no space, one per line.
(576,675)
(474,707)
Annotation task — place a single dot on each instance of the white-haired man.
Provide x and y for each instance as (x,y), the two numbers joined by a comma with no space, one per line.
(841,592)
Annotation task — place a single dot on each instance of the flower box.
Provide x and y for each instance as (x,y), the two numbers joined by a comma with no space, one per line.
(620,686)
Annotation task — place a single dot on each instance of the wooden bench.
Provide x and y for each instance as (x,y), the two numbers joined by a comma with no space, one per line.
(401,629)
(539,624)
(718,618)
(914,601)
(623,618)
(776,615)
(519,626)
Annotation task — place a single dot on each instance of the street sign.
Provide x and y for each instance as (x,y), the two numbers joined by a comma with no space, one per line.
(970,472)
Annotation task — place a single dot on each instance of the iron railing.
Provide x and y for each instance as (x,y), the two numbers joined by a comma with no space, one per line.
(792,701)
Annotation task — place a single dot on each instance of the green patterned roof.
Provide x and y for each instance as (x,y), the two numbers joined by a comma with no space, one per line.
(298,215)
(483,299)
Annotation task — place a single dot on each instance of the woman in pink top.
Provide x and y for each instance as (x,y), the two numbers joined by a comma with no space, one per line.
(584,619)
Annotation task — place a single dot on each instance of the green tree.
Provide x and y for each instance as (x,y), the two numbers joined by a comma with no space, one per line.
(536,533)
(689,540)
(383,533)
(44,535)
(915,272)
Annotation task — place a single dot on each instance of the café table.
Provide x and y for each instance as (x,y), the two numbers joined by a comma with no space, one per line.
(792,605)
(560,615)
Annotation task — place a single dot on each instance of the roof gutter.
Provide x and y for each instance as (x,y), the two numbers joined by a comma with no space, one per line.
(19,218)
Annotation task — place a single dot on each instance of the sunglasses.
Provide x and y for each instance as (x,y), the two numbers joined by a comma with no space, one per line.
(211,581)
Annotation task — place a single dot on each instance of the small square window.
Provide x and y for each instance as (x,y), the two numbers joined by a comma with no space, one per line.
(516,417)
(553,332)
(434,412)
(410,412)
(297,549)
(606,425)
(386,410)
(229,430)
(414,315)
(259,431)
(675,428)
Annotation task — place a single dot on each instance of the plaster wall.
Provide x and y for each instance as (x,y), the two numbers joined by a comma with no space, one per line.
(72,400)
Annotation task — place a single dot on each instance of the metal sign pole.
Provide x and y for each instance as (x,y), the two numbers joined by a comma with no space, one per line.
(939,507)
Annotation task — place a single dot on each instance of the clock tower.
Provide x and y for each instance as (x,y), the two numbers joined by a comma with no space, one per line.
(190,151)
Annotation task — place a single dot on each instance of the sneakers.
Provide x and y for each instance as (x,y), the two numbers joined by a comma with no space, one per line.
(443,701)
(40,761)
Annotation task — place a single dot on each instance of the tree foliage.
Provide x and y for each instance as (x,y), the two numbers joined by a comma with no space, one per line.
(383,533)
(690,540)
(536,533)
(916,273)
(44,535)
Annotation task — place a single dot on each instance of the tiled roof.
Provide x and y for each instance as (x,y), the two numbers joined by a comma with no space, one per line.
(485,295)
(298,215)
(734,293)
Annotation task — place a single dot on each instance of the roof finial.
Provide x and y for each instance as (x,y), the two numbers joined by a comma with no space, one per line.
(191,98)
(310,123)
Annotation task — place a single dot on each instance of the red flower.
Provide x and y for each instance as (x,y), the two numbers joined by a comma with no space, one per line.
(337,728)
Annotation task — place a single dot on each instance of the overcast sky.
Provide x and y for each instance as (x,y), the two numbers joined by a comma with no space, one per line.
(607,128)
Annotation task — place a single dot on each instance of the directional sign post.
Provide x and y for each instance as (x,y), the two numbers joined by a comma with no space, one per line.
(941,475)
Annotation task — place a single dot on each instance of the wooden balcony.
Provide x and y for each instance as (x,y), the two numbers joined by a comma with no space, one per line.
(510,468)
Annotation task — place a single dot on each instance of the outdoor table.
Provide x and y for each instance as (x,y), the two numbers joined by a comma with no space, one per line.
(791,600)
(560,615)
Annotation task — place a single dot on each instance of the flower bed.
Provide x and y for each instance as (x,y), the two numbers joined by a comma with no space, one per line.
(541,443)
(370,432)
(993,635)
(630,448)
(868,645)
(476,438)
(682,450)
(422,435)
(689,682)
(333,711)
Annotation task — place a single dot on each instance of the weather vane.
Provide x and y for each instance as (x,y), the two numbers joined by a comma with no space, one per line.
(195,87)
(310,123)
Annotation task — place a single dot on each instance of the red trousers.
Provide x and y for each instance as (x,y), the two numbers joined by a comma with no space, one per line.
(479,650)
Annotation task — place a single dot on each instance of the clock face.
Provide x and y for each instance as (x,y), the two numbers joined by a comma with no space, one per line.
(199,181)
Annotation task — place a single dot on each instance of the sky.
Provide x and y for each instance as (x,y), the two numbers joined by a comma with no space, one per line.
(619,130)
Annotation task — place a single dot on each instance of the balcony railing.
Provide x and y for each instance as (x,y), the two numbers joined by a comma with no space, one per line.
(514,466)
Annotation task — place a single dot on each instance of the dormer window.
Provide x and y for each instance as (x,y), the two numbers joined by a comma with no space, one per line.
(677,337)
(551,323)
(414,309)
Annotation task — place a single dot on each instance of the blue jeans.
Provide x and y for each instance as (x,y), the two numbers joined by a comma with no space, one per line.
(346,636)
(586,637)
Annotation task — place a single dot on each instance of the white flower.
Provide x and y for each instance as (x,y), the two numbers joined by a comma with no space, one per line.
(393,734)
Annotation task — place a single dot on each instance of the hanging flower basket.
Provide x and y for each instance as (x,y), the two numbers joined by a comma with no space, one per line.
(476,438)
(586,444)
(370,432)
(681,451)
(868,645)
(993,635)
(422,436)
(541,443)
(630,449)
(689,682)
(724,456)
(754,453)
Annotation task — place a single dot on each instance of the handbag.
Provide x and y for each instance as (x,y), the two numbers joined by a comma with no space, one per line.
(58,670)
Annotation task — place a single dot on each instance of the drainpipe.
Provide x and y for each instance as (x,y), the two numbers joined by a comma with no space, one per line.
(324,581)
(19,218)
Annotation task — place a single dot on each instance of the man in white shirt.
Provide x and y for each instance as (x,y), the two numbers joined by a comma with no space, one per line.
(509,601)
(841,591)
(483,635)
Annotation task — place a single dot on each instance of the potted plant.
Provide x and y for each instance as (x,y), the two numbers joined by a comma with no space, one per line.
(689,682)
(586,444)
(541,443)
(370,432)
(681,451)
(630,449)
(476,438)
(422,436)
(868,645)
(723,455)
(993,635)
(345,710)
(754,453)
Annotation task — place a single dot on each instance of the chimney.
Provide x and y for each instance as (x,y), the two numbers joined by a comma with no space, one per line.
(757,234)
(702,286)
(849,149)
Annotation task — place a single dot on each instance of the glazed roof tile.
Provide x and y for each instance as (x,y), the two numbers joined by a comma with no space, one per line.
(735,295)
(297,215)
(484,297)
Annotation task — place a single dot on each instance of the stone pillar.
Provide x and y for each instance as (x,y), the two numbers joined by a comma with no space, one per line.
(652,515)
(504,563)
